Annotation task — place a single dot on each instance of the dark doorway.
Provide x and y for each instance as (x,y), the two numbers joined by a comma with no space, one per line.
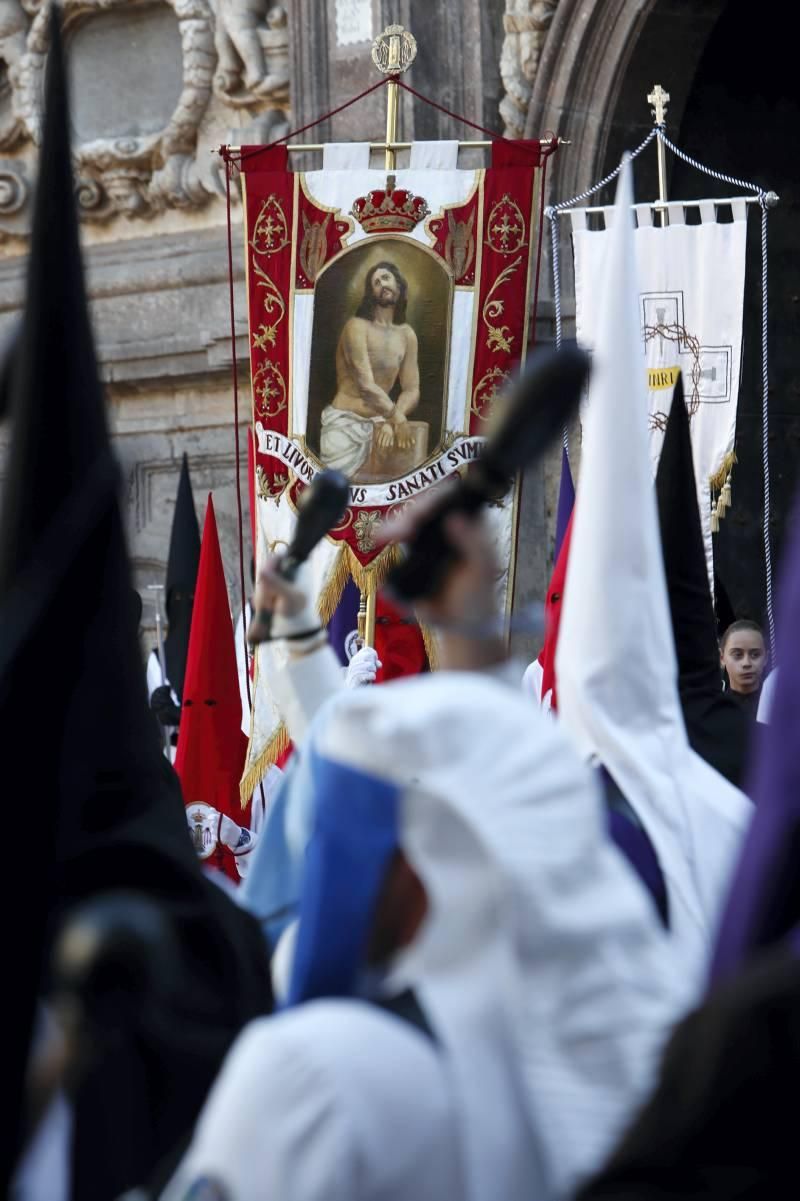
(742,116)
(734,108)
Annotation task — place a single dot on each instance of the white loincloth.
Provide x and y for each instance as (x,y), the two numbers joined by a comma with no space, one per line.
(345,440)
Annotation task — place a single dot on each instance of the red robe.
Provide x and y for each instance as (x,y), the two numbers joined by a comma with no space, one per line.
(211,744)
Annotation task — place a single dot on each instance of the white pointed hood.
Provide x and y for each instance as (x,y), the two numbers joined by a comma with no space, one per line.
(594,988)
(616,664)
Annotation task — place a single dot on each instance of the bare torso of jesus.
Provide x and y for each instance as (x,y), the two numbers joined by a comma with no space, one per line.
(370,357)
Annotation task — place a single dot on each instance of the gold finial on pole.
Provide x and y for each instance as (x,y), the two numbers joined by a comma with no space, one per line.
(658,101)
(393,52)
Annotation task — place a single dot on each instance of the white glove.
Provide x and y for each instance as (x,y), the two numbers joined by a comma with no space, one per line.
(362,668)
(236,838)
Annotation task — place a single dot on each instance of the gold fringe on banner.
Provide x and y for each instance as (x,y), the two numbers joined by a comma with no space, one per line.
(375,572)
(332,591)
(255,774)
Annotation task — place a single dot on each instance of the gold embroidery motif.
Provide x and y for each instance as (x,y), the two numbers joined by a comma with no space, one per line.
(505,230)
(269,388)
(499,337)
(487,391)
(271,231)
(271,488)
(366,528)
(266,334)
(273,298)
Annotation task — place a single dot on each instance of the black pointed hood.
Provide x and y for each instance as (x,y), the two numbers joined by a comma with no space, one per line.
(84,776)
(717,727)
(54,538)
(693,622)
(62,546)
(182,564)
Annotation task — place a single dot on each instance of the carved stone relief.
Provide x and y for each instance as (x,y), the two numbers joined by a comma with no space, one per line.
(144,72)
(13,48)
(252,52)
(526,23)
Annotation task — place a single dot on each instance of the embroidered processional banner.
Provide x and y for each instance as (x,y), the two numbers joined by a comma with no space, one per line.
(386,315)
(691,297)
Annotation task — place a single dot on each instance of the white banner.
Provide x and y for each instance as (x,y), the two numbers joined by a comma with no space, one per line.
(691,295)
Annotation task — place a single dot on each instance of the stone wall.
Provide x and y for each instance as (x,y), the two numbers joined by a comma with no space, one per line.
(157,85)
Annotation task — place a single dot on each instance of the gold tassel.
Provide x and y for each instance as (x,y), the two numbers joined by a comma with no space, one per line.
(717,480)
(256,772)
(714,520)
(726,493)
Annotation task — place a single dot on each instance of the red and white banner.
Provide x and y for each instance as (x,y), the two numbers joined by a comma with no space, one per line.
(386,315)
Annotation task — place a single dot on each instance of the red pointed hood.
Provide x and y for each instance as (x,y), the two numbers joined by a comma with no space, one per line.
(552,614)
(211,745)
(398,643)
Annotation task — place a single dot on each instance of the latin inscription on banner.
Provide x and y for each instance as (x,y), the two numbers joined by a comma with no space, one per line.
(277,446)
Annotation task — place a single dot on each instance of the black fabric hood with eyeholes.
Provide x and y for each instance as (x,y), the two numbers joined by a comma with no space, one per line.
(717,727)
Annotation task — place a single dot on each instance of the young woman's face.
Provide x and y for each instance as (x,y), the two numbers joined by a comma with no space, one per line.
(743,658)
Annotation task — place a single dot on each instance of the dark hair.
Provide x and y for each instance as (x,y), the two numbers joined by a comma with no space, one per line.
(369,303)
(743,624)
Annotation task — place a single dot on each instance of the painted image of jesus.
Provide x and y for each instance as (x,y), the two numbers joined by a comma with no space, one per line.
(377,349)
(378,359)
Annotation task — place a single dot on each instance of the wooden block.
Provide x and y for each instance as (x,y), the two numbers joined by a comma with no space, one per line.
(394,462)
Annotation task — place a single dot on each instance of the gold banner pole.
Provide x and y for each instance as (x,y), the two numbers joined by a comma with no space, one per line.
(393,52)
(658,100)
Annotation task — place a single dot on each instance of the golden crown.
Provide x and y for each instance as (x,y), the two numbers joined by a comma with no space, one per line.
(391,210)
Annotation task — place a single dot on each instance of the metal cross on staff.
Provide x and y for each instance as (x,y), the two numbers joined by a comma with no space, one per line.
(658,100)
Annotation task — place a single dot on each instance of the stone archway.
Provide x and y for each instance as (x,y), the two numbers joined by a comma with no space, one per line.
(599,62)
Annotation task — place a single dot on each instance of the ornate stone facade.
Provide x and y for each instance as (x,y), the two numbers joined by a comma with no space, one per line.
(526,24)
(156,86)
(152,81)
